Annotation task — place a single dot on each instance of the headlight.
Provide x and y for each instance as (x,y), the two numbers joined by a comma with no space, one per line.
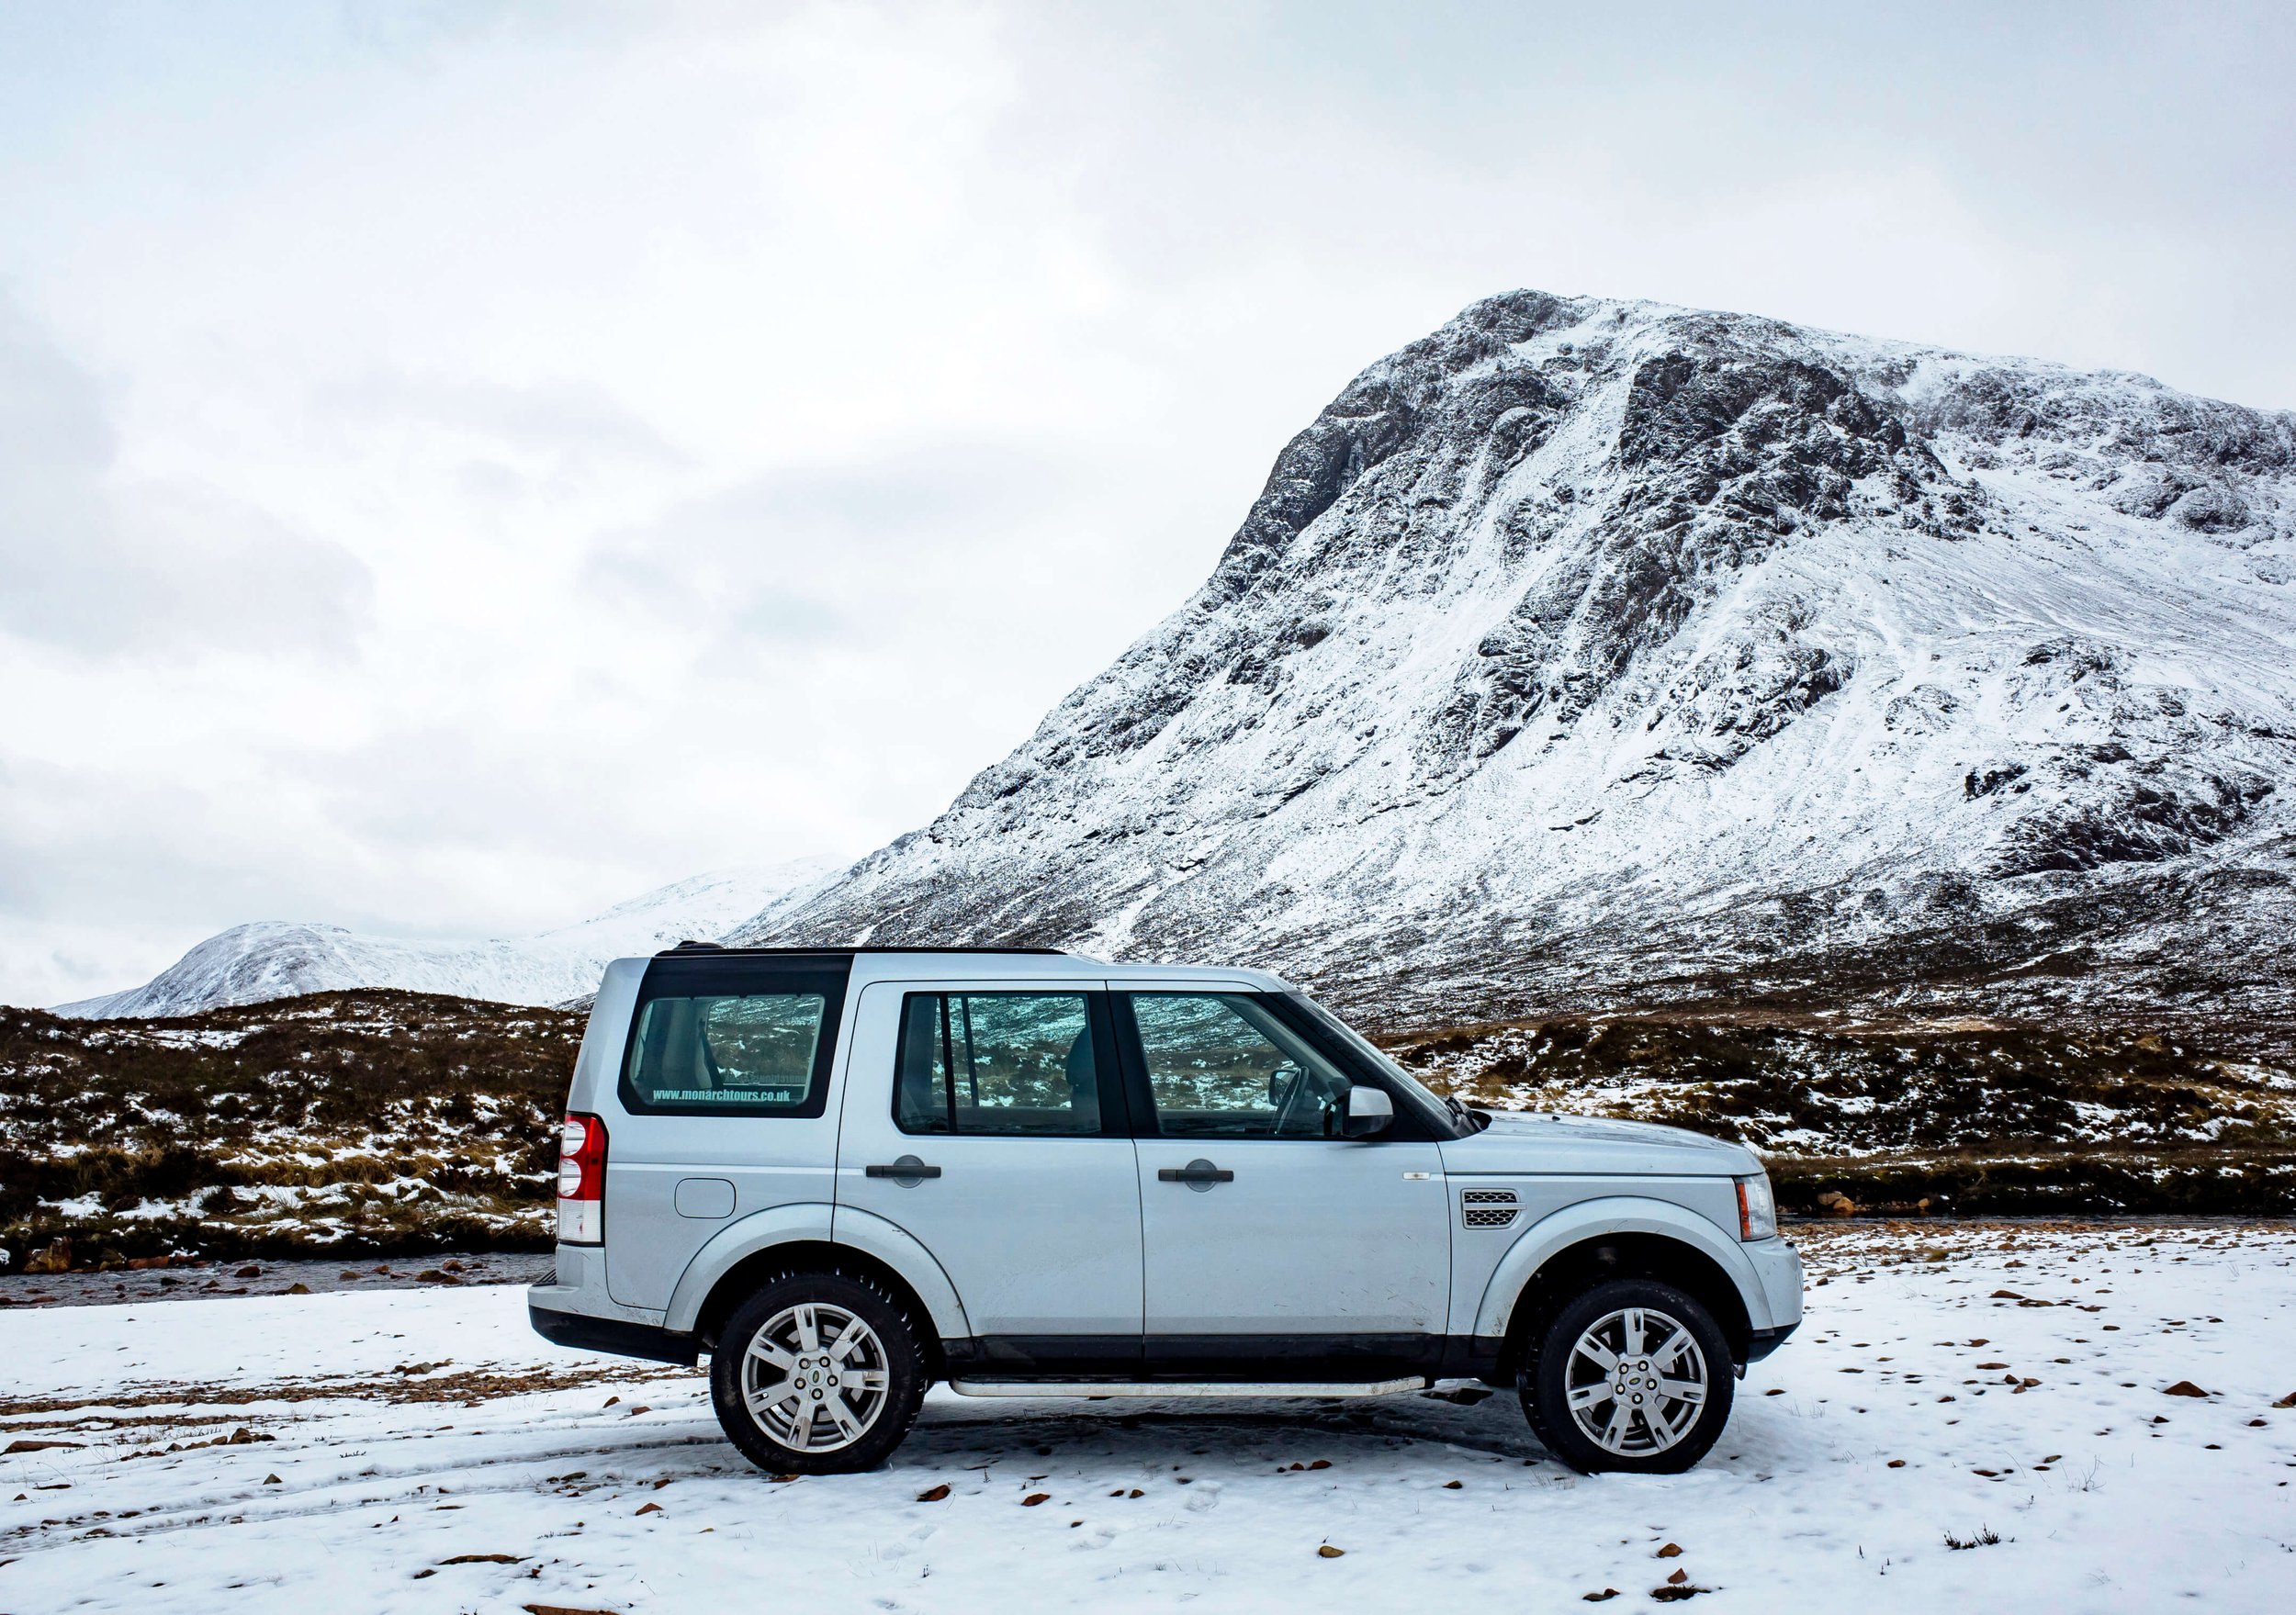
(1757,1210)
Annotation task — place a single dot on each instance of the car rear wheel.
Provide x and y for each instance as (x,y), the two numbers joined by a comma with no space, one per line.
(1633,1376)
(818,1374)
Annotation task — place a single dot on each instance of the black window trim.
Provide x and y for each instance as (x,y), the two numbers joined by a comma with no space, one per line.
(1116,1108)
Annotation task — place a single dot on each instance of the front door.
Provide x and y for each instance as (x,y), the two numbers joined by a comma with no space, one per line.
(1267,1243)
(1031,1202)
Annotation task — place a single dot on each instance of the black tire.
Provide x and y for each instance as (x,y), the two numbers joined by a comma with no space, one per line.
(1648,1429)
(770,1433)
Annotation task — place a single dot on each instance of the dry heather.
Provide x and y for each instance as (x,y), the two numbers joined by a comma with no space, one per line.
(1969,1117)
(372,1122)
(393,1123)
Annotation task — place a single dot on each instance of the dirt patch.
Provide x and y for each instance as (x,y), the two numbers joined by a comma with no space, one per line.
(473,1385)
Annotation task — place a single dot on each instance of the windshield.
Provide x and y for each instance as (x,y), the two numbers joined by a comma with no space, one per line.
(1369,1050)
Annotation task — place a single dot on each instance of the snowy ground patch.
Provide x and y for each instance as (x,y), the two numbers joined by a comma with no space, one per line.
(422,1451)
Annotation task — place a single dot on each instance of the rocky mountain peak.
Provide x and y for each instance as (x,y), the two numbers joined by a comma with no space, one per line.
(1589,650)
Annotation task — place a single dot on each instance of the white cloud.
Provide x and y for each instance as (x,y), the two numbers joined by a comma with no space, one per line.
(460,465)
(141,568)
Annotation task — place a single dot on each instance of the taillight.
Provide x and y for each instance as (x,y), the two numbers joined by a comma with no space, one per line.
(581,1180)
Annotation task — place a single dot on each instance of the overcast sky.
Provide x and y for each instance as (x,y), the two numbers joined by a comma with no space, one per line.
(462,464)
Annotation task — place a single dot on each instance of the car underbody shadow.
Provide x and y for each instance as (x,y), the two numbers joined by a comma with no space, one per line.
(1262,1430)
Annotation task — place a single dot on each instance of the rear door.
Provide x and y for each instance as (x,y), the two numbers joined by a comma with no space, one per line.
(987,1119)
(1266,1242)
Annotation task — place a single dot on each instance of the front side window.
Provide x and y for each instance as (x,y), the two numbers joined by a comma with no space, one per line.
(996,1062)
(1220,1066)
(751,1054)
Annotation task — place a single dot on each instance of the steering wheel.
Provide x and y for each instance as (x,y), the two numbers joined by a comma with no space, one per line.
(1301,1081)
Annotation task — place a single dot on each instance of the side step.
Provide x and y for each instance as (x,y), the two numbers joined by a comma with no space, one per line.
(1086,1387)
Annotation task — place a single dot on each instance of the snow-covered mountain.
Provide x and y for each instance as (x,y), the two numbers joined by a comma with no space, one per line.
(1591,652)
(250,964)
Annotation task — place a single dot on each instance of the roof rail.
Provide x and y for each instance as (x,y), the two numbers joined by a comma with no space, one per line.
(690,947)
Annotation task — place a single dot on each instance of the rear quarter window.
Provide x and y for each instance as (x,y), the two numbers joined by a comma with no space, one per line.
(729,1053)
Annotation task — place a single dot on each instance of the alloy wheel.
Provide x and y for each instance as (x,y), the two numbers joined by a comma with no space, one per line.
(814,1377)
(1637,1381)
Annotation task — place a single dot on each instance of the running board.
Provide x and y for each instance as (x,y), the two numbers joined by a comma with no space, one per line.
(1046,1387)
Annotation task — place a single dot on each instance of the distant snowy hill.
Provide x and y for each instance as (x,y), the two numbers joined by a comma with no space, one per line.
(1591,652)
(250,964)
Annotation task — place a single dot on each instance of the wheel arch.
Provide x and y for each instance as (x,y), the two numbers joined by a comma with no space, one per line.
(1624,1237)
(795,1237)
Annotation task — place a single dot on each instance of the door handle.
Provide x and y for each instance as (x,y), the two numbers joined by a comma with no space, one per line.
(1195,1174)
(906,1172)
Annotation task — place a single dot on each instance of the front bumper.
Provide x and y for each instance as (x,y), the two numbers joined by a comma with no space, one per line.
(1760,1343)
(1778,1269)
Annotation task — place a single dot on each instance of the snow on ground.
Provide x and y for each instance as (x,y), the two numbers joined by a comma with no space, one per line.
(432,1455)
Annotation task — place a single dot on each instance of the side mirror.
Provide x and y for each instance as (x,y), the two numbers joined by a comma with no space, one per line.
(1369,1111)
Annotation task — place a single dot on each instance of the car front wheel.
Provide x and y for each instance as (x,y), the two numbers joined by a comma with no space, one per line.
(1633,1376)
(818,1374)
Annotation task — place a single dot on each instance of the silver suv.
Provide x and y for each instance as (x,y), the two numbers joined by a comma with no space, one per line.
(844,1174)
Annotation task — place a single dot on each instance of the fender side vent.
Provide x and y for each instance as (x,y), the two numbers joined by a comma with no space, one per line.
(1487,1209)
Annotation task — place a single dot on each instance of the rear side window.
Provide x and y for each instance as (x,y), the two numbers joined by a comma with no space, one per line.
(1016,1063)
(740,1053)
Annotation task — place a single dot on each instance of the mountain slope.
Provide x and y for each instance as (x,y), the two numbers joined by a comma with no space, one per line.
(250,964)
(1589,652)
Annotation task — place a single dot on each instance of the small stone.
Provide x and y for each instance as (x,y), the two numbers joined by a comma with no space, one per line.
(933,1494)
(1672,1550)
(1033,1498)
(1329,1551)
(2184,1387)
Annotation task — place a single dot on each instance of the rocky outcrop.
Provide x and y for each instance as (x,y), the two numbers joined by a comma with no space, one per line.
(1588,652)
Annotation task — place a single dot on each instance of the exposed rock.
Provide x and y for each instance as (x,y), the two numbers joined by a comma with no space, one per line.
(1587,653)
